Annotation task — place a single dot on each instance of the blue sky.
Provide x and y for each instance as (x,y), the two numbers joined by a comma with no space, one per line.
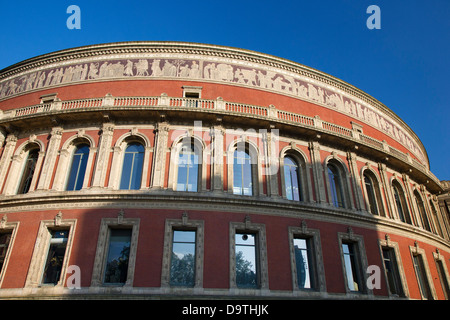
(405,64)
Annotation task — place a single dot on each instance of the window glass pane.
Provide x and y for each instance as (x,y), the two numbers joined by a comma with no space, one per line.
(350,267)
(118,255)
(242,173)
(136,174)
(398,203)
(188,163)
(422,277)
(5,237)
(28,172)
(371,195)
(335,185)
(246,273)
(391,267)
(247,178)
(237,177)
(443,278)
(78,169)
(182,268)
(55,257)
(132,167)
(291,177)
(422,213)
(302,263)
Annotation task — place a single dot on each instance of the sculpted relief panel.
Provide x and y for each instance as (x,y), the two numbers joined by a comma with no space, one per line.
(244,74)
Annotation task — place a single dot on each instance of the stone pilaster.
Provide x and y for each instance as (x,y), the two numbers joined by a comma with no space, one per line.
(319,183)
(104,151)
(7,154)
(217,170)
(355,178)
(50,159)
(159,162)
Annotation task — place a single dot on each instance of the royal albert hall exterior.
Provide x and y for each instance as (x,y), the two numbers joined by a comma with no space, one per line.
(166,169)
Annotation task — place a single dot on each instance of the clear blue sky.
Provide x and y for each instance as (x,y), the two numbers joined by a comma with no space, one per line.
(405,64)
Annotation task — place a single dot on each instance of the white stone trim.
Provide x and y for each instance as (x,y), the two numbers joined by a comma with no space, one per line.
(183,224)
(261,254)
(103,244)
(304,167)
(415,250)
(41,247)
(362,263)
(255,156)
(12,227)
(319,271)
(175,149)
(394,246)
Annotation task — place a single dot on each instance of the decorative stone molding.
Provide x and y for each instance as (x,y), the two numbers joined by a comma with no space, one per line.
(362,263)
(41,246)
(183,224)
(388,243)
(318,277)
(261,254)
(12,228)
(415,250)
(103,243)
(101,165)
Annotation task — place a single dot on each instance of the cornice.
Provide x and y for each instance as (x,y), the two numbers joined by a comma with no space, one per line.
(103,198)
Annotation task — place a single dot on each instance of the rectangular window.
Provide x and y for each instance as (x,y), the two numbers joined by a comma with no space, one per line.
(351,266)
(303,263)
(192,94)
(443,278)
(422,276)
(55,256)
(118,255)
(392,272)
(246,266)
(182,266)
(5,238)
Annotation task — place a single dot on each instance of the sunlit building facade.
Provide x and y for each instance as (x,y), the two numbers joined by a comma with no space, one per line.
(165,169)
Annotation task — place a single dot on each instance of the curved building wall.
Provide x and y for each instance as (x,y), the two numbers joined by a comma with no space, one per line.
(218,172)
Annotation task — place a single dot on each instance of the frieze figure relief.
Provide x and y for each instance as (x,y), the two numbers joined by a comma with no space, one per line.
(142,67)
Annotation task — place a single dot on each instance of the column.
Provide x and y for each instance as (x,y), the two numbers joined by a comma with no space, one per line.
(217,157)
(104,151)
(355,179)
(387,191)
(7,154)
(316,162)
(50,159)
(272,162)
(159,162)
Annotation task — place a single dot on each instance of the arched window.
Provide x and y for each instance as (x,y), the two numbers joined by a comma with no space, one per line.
(422,213)
(188,168)
(336,186)
(28,171)
(78,168)
(436,219)
(373,195)
(242,173)
(370,192)
(292,181)
(132,167)
(400,202)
